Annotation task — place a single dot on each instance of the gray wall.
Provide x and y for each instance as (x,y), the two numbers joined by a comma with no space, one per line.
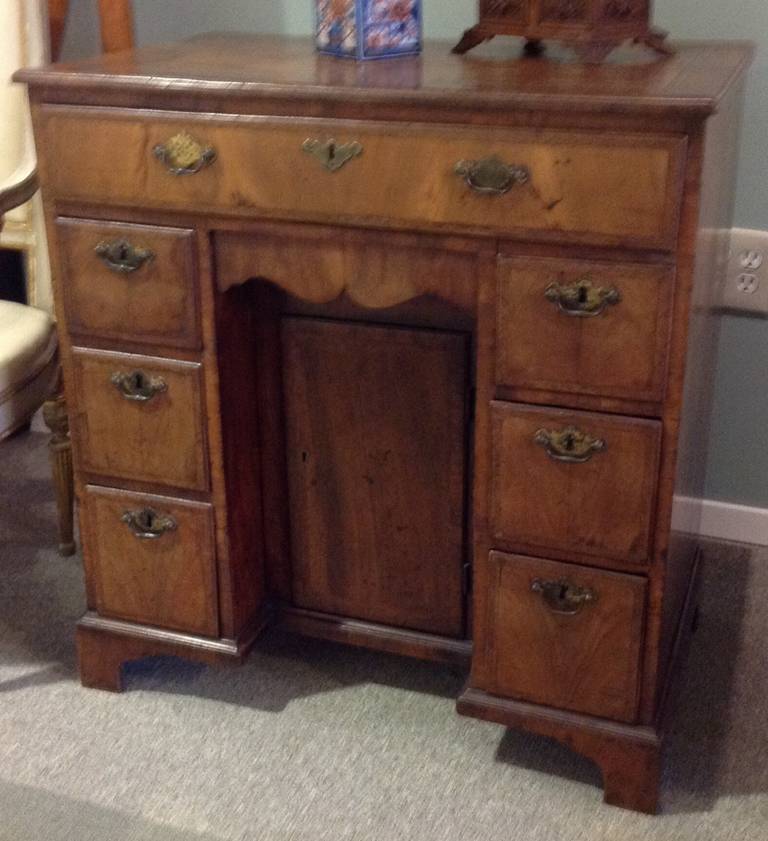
(738,466)
(738,462)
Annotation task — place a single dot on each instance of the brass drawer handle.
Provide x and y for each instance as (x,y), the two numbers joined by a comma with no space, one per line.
(332,155)
(148,524)
(563,597)
(581,298)
(491,176)
(120,256)
(183,155)
(570,445)
(137,386)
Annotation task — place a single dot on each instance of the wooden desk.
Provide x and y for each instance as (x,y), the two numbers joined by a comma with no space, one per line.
(346,342)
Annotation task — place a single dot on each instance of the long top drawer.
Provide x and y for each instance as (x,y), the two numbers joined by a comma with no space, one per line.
(567,186)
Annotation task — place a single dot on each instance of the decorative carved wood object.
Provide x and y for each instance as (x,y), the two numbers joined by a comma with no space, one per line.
(592,27)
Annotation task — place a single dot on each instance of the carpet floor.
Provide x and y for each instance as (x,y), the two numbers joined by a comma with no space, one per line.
(312,741)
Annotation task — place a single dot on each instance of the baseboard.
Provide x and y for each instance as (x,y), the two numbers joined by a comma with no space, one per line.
(724,520)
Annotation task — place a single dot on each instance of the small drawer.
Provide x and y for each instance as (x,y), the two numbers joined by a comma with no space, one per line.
(139,418)
(573,483)
(151,559)
(585,328)
(563,186)
(137,283)
(562,635)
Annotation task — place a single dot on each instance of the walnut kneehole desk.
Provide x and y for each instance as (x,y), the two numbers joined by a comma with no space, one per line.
(414,355)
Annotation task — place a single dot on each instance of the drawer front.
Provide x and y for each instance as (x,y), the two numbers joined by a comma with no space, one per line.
(583,327)
(574,483)
(562,635)
(581,186)
(140,418)
(150,559)
(132,282)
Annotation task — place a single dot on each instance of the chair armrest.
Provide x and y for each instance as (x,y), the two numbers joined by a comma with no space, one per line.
(17,189)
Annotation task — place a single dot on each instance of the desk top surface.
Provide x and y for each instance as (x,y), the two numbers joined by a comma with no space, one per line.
(209,68)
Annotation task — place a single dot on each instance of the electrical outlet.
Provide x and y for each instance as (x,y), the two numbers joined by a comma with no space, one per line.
(746,281)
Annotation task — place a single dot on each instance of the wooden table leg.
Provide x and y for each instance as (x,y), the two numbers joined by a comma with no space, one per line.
(116,25)
(60,450)
(57,21)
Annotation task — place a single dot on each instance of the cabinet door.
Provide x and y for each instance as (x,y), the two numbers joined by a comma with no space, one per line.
(376,444)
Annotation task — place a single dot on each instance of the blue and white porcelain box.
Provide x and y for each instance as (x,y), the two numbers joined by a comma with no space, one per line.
(368,28)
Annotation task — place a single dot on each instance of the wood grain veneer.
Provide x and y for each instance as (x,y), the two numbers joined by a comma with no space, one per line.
(404,176)
(621,352)
(266,74)
(375,449)
(169,581)
(387,309)
(602,508)
(586,661)
(155,304)
(160,441)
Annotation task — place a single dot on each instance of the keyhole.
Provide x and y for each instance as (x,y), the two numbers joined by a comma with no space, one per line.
(331,151)
(582,294)
(569,441)
(138,383)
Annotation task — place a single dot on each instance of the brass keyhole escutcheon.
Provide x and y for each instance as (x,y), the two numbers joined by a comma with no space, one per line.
(562,596)
(122,256)
(582,298)
(148,524)
(569,445)
(138,386)
(332,155)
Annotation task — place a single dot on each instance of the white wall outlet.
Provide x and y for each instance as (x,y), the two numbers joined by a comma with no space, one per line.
(746,282)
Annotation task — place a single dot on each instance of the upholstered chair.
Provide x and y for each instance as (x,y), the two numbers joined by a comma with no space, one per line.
(29,366)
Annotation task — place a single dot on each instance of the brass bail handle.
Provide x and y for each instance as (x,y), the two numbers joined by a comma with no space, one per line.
(491,176)
(183,155)
(569,445)
(120,256)
(138,386)
(148,524)
(582,299)
(562,596)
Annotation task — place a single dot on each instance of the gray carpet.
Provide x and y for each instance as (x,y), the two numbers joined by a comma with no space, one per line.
(316,741)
